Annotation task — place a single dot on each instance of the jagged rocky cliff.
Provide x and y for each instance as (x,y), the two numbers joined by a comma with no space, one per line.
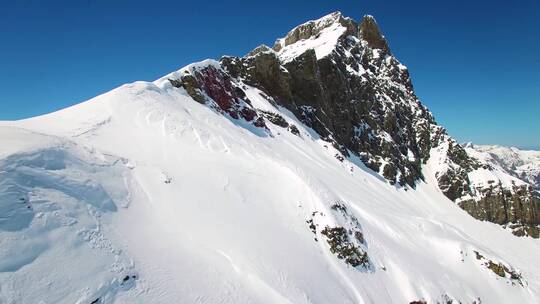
(341,79)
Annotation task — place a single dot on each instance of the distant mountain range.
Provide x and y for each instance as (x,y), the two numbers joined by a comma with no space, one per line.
(523,164)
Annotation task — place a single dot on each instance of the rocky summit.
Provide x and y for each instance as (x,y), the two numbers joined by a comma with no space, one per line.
(340,78)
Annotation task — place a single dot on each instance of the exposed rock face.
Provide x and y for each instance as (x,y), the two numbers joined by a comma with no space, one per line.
(344,238)
(224,94)
(359,98)
(190,84)
(500,269)
(369,31)
(485,190)
(278,120)
(518,208)
(339,78)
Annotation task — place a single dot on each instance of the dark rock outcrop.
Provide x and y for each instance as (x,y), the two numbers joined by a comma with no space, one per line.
(218,86)
(345,239)
(358,98)
(518,208)
(369,31)
(500,269)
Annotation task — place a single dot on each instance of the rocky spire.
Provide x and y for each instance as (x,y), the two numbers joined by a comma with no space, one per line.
(369,31)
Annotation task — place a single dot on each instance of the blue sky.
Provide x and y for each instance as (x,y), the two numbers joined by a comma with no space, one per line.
(475,64)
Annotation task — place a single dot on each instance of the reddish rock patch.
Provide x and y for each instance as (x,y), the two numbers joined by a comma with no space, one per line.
(218,86)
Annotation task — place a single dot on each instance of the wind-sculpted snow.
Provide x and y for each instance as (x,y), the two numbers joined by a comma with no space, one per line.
(40,169)
(165,192)
(52,204)
(15,212)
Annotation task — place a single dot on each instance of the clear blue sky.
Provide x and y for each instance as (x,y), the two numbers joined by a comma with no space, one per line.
(475,64)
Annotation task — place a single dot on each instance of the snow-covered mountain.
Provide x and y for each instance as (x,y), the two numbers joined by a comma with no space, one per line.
(523,164)
(308,172)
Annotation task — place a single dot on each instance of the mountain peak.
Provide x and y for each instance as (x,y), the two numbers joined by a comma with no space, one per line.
(313,28)
(321,35)
(370,32)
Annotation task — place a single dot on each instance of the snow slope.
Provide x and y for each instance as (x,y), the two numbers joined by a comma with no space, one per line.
(142,195)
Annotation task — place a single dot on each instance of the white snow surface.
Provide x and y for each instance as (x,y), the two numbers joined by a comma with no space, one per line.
(142,195)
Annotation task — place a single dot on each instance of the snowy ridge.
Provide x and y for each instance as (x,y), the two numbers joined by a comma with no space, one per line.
(164,82)
(523,164)
(147,194)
